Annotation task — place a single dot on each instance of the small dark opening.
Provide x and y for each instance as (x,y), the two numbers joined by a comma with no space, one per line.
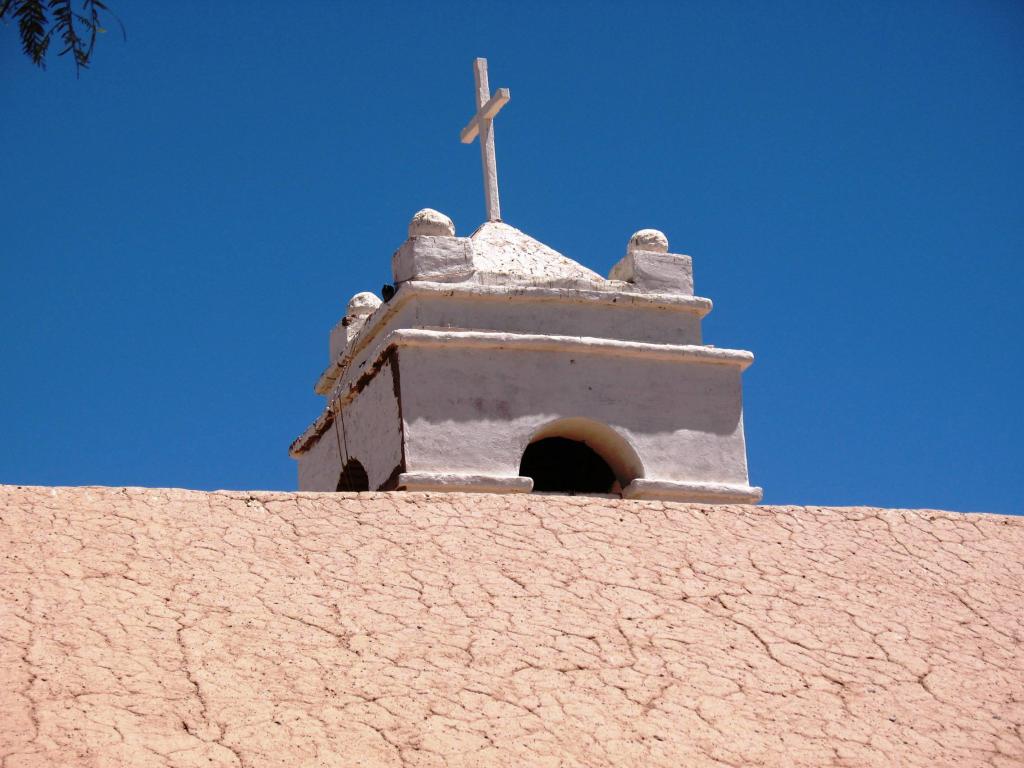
(560,465)
(353,477)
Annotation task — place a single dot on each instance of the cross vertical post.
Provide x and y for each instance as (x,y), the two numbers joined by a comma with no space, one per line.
(481,124)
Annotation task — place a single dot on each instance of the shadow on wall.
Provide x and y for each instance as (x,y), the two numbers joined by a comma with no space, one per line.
(353,477)
(657,397)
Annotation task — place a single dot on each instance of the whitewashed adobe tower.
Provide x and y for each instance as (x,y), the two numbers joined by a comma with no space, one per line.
(499,365)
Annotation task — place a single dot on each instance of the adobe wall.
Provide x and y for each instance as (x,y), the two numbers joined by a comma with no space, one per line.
(168,628)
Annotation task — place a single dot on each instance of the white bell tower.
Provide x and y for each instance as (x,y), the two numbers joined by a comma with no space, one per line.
(499,365)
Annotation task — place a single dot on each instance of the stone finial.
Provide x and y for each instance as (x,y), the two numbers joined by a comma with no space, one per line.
(651,268)
(362,304)
(431,222)
(648,240)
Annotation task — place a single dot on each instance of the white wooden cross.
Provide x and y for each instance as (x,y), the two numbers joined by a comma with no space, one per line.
(486,108)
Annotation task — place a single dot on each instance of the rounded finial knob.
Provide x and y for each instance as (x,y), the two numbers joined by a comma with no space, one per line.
(362,304)
(431,222)
(648,240)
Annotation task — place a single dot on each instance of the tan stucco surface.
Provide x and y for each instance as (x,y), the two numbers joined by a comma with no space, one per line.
(149,627)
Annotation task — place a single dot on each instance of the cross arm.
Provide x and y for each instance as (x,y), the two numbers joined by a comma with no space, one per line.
(486,112)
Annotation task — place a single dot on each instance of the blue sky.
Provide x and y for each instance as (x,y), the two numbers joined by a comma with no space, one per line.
(185,222)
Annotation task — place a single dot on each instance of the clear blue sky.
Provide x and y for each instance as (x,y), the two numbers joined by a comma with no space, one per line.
(184,223)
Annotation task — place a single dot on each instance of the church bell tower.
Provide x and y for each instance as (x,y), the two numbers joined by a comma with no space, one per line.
(499,365)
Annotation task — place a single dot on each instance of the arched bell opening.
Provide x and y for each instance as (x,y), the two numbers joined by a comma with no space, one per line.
(353,477)
(578,455)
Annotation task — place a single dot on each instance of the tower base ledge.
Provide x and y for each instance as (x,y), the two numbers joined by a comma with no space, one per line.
(661,490)
(447,482)
(668,490)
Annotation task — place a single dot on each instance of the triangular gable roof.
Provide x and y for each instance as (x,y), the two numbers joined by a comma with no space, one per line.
(501,249)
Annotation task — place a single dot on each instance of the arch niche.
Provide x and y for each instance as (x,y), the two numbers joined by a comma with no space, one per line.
(579,455)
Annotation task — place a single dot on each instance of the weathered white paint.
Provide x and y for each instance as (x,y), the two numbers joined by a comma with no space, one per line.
(690,491)
(495,341)
(484,340)
(648,240)
(438,259)
(320,465)
(502,255)
(654,272)
(370,427)
(430,222)
(606,313)
(360,307)
(451,481)
(367,427)
(685,422)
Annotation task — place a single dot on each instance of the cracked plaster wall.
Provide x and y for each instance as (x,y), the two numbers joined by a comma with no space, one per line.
(152,627)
